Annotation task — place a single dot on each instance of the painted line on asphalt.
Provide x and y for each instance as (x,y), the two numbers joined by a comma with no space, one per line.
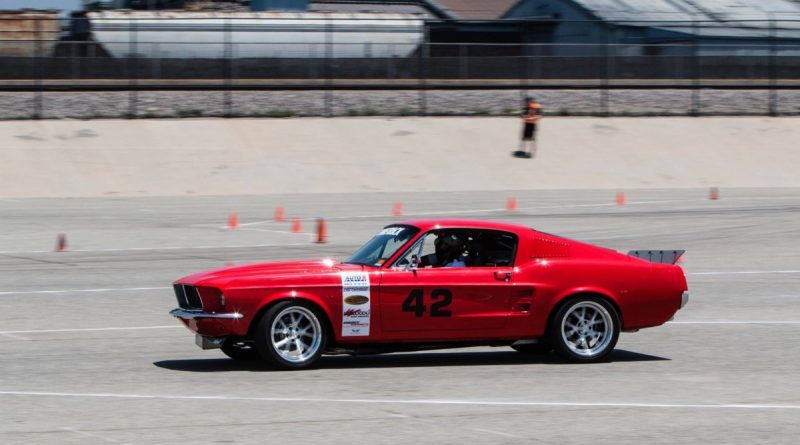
(462,212)
(128,328)
(499,433)
(736,322)
(746,272)
(135,328)
(129,289)
(544,207)
(727,406)
(80,291)
(137,249)
(85,434)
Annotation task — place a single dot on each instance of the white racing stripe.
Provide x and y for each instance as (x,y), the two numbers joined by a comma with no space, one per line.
(81,291)
(729,406)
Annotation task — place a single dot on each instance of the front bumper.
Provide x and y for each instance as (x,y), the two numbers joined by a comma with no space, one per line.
(193,314)
(684,298)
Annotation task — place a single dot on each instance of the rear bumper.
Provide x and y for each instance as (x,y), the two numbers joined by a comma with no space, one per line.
(192,314)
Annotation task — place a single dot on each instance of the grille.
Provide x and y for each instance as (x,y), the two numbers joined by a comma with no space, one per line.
(188,297)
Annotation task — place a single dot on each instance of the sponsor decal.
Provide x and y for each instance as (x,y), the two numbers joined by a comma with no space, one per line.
(355,304)
(357,313)
(356,299)
(394,231)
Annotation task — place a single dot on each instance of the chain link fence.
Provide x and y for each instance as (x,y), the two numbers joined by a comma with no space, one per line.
(111,67)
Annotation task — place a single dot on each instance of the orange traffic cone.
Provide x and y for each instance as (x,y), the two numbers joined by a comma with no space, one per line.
(61,243)
(511,204)
(279,215)
(713,193)
(233,221)
(620,198)
(322,231)
(397,209)
(296,227)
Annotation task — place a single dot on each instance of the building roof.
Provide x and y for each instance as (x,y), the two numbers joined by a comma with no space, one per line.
(709,10)
(709,18)
(473,9)
(395,7)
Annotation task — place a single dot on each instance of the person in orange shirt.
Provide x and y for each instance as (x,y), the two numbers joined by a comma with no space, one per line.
(530,116)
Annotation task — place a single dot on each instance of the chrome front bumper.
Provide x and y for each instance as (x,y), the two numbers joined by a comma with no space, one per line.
(190,314)
(684,298)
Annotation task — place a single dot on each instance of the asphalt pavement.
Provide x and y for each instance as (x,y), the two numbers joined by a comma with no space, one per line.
(89,354)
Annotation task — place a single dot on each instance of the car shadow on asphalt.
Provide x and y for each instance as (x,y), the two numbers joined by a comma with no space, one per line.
(403,360)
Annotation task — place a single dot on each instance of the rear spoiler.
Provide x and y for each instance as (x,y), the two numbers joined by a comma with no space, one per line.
(658,256)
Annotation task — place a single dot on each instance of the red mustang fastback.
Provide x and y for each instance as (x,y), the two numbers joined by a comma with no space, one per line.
(435,284)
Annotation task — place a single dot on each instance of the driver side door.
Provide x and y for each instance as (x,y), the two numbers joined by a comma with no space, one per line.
(444,302)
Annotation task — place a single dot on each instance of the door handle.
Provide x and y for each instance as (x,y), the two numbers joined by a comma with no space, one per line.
(502,275)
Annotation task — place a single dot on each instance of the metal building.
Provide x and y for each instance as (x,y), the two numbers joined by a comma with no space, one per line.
(664,27)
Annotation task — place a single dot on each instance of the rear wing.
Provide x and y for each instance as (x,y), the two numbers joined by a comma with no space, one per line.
(658,256)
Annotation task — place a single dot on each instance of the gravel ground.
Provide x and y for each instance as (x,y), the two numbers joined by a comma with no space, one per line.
(114,104)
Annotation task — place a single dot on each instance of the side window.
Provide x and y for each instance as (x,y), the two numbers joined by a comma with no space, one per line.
(462,248)
(492,248)
(424,246)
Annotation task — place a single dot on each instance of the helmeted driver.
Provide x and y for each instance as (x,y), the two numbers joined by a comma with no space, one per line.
(449,252)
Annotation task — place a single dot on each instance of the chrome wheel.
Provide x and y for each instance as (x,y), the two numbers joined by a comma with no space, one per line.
(587,328)
(296,334)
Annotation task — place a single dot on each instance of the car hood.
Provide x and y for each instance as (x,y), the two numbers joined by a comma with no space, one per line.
(268,272)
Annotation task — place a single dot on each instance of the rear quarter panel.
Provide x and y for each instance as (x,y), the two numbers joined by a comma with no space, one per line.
(645,294)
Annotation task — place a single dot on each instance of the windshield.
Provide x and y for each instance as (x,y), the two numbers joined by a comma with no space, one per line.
(383,245)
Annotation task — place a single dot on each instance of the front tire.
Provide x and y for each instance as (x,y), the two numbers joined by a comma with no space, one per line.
(585,329)
(291,335)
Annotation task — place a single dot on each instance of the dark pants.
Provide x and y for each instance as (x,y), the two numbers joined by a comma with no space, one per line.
(529,132)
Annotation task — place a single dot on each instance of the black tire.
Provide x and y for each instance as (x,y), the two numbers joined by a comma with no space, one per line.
(574,336)
(240,350)
(541,348)
(282,314)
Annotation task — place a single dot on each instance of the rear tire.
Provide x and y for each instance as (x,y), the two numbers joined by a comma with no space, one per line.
(585,329)
(240,350)
(291,335)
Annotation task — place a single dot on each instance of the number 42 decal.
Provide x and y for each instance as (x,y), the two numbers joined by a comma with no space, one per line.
(441,299)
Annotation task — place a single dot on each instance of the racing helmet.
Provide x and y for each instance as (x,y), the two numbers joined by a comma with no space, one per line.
(449,247)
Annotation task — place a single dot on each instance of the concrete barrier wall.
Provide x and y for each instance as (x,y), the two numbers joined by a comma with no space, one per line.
(313,155)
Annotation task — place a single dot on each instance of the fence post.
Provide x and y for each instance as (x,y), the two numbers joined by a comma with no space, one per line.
(38,72)
(773,67)
(132,84)
(328,68)
(422,73)
(695,107)
(525,62)
(604,96)
(74,61)
(228,71)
